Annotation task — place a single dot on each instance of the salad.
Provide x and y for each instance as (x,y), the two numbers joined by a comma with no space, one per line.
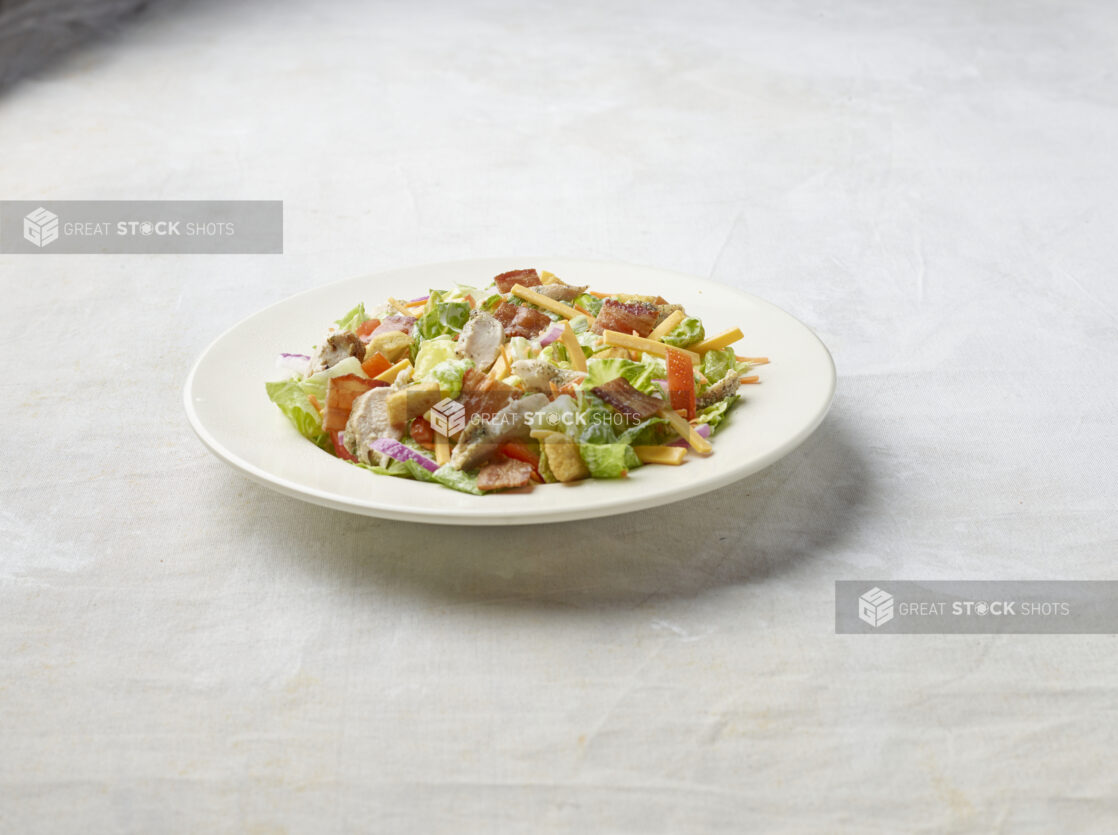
(525,381)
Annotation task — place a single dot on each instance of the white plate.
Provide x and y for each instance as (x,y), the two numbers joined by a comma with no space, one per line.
(229,410)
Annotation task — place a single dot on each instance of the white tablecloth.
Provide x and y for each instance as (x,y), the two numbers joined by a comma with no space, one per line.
(931,186)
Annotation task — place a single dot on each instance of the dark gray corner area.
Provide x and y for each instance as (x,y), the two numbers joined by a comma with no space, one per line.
(33,33)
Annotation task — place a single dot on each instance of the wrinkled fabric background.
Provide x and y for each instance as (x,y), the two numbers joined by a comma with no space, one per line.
(929,186)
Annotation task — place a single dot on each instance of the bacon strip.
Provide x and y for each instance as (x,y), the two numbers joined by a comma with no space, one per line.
(482,395)
(521,320)
(626,317)
(526,278)
(504,474)
(620,394)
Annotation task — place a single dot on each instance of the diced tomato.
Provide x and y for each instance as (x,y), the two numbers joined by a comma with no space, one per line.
(340,394)
(681,382)
(522,452)
(339,446)
(422,433)
(376,365)
(366,328)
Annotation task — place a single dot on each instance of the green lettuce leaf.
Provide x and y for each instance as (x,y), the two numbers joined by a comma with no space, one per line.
(588,302)
(430,354)
(687,332)
(647,432)
(716,364)
(640,374)
(442,318)
(491,303)
(449,374)
(519,348)
(714,415)
(445,475)
(560,415)
(608,460)
(294,402)
(448,476)
(596,421)
(351,320)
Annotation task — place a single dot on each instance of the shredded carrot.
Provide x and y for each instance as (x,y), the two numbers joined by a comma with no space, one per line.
(314,402)
(470,301)
(582,309)
(554,389)
(600,295)
(751,379)
(753,360)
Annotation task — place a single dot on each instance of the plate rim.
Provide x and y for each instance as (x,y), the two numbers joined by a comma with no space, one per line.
(429,515)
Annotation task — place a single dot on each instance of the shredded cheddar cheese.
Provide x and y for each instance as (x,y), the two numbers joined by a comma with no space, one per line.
(639,343)
(540,300)
(721,341)
(667,326)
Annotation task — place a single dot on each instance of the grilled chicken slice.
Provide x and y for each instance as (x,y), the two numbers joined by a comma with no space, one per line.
(538,375)
(481,339)
(725,387)
(561,292)
(368,421)
(480,439)
(337,347)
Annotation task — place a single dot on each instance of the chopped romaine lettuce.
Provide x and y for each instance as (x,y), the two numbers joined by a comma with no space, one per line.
(588,302)
(519,348)
(448,476)
(608,460)
(449,373)
(581,325)
(442,318)
(294,402)
(714,415)
(650,431)
(717,363)
(640,374)
(351,320)
(444,475)
(491,303)
(560,415)
(431,353)
(596,421)
(460,292)
(687,332)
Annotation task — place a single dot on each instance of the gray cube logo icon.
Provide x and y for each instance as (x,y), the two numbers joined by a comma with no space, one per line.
(40,227)
(875,607)
(448,416)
